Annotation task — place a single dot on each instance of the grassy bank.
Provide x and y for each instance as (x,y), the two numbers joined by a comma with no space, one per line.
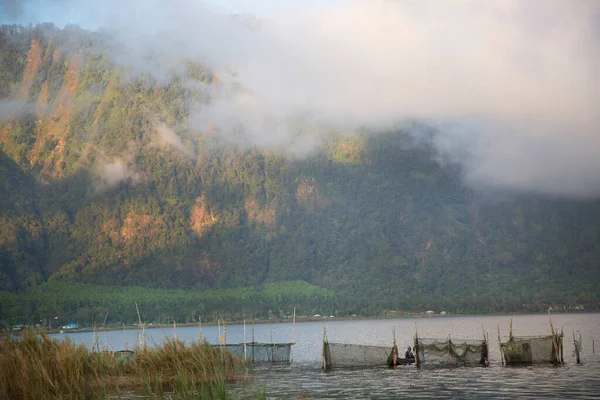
(39,367)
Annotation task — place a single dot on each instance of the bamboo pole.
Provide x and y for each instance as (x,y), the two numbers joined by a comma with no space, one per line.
(500,345)
(293,336)
(95,340)
(272,345)
(323,351)
(562,335)
(449,350)
(223,338)
(253,342)
(323,356)
(143,339)
(219,331)
(487,348)
(174,330)
(576,344)
(104,329)
(394,349)
(125,336)
(105,317)
(554,339)
(244,340)
(416,346)
(200,335)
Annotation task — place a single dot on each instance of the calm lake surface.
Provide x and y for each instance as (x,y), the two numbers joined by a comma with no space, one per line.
(304,378)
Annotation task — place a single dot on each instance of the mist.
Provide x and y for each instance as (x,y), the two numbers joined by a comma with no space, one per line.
(512,84)
(13,108)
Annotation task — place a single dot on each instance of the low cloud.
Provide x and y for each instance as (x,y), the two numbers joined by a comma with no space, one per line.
(167,137)
(510,84)
(527,157)
(13,109)
(111,174)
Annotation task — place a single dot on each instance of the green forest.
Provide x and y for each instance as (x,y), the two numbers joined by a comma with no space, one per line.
(98,212)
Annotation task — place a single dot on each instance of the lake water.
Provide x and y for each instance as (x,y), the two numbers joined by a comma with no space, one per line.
(304,378)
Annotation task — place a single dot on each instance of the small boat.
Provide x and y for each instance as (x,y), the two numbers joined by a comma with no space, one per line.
(404,361)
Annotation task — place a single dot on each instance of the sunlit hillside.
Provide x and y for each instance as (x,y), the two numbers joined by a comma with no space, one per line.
(103,181)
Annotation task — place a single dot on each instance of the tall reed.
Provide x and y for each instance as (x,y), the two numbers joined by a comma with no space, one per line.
(38,367)
(185,369)
(34,367)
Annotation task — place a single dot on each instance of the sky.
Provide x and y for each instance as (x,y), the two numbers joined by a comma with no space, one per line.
(86,13)
(511,83)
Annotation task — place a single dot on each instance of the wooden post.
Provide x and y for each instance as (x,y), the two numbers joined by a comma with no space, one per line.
(593,348)
(253,342)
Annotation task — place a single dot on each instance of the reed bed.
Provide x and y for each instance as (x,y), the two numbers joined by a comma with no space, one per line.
(35,366)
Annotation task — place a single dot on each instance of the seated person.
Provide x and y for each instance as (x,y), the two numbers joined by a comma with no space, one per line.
(409,354)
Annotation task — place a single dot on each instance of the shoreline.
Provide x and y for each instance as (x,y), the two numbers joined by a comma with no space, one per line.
(289,320)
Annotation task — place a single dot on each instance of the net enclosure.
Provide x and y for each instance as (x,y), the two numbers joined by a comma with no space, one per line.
(449,352)
(532,350)
(342,355)
(255,352)
(527,350)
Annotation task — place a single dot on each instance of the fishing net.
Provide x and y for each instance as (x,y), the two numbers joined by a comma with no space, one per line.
(451,352)
(261,352)
(340,355)
(532,350)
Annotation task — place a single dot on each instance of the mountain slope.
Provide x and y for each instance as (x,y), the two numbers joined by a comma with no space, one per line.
(108,186)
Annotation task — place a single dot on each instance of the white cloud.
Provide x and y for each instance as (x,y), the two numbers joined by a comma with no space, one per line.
(524,69)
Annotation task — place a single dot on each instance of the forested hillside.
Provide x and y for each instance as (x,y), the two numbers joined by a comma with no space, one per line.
(103,182)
